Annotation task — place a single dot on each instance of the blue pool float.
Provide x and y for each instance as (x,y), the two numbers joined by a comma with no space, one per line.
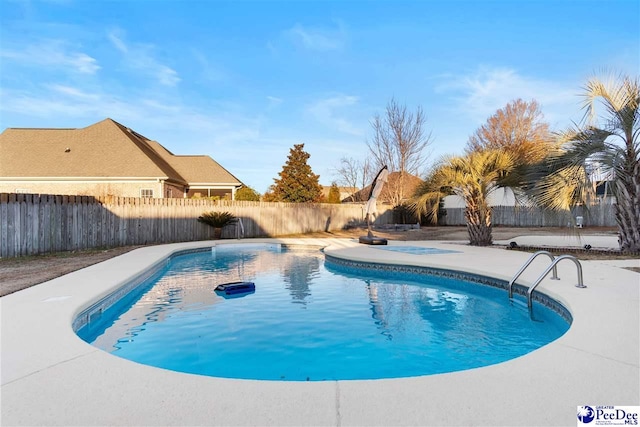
(236,288)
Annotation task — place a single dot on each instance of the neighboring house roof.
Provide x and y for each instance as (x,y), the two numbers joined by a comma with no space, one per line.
(105,149)
(102,150)
(411,182)
(197,169)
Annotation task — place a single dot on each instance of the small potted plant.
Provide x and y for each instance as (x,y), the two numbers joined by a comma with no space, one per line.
(217,220)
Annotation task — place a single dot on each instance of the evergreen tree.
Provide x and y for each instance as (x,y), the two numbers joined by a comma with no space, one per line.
(297,182)
(270,195)
(334,194)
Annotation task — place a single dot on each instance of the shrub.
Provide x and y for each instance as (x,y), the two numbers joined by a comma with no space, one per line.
(216,219)
(214,198)
(334,194)
(248,194)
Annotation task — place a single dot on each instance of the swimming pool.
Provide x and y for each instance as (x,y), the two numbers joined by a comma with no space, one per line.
(310,319)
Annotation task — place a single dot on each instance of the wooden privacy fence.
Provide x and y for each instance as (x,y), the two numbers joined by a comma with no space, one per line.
(522,216)
(34,224)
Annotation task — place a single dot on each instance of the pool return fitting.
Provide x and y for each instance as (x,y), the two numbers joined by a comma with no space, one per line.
(552,267)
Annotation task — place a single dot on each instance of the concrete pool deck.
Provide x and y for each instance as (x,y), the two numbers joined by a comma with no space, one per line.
(51,377)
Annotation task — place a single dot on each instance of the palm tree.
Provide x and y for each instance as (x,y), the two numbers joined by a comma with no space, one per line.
(613,145)
(472,177)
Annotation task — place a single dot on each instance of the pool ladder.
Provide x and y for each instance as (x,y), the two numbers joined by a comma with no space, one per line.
(552,267)
(237,222)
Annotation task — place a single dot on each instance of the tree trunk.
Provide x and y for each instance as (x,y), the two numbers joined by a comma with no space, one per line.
(217,232)
(627,211)
(479,226)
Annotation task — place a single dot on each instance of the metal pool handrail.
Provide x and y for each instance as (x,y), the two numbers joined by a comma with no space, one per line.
(526,264)
(552,266)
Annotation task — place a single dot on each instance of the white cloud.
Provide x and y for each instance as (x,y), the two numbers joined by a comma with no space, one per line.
(328,112)
(206,69)
(274,101)
(63,102)
(73,92)
(159,106)
(139,57)
(116,40)
(66,102)
(52,53)
(84,63)
(481,94)
(167,76)
(319,39)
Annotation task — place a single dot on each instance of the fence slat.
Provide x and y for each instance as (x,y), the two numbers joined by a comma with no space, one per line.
(523,216)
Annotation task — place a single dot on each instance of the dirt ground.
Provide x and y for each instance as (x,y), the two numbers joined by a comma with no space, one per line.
(21,273)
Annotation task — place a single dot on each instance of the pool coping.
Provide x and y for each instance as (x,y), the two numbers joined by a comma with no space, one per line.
(51,377)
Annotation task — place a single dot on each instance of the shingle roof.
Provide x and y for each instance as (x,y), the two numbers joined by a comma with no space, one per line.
(198,169)
(105,149)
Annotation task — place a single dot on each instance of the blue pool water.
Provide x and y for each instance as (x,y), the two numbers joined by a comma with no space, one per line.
(311,320)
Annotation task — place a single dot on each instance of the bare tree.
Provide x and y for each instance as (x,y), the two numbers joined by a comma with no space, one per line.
(399,142)
(367,173)
(518,129)
(354,173)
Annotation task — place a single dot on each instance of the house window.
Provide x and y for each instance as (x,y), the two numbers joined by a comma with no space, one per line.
(146,192)
(169,194)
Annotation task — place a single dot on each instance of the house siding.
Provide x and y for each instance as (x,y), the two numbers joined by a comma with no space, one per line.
(89,188)
(173,191)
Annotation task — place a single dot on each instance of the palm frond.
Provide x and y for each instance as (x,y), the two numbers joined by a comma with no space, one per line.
(562,180)
(563,188)
(472,177)
(620,97)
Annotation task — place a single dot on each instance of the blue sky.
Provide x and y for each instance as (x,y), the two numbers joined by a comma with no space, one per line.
(244,81)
